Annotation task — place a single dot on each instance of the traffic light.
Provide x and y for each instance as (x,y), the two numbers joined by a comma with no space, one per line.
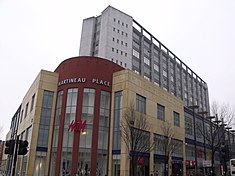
(9,149)
(23,147)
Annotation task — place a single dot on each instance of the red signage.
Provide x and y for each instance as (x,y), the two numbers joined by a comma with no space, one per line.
(77,126)
(190,163)
(140,160)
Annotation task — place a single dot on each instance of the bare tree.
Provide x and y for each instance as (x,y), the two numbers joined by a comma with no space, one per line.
(136,136)
(223,112)
(167,143)
(213,138)
(213,132)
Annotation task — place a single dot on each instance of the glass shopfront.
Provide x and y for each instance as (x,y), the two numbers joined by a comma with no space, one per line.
(56,132)
(85,140)
(103,133)
(67,144)
(85,143)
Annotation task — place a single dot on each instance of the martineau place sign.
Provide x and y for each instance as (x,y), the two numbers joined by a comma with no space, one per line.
(77,126)
(83,80)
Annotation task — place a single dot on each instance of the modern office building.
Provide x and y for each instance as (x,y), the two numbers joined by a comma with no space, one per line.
(116,36)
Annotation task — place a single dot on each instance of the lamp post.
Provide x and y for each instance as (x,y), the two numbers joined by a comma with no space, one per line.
(227,148)
(204,140)
(229,142)
(193,107)
(211,144)
(224,149)
(233,145)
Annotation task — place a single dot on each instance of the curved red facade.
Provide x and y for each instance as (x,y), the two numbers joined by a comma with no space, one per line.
(80,73)
(87,67)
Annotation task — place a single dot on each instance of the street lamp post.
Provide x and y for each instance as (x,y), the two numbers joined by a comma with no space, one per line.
(233,145)
(211,144)
(229,142)
(193,107)
(203,113)
(223,149)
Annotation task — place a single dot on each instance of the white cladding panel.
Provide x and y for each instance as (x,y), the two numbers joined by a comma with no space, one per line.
(116,37)
(86,42)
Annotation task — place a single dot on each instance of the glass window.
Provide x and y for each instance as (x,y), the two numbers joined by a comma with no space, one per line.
(21,116)
(199,130)
(136,36)
(160,112)
(103,132)
(159,144)
(146,61)
(26,110)
(164,73)
(136,44)
(176,118)
(188,125)
(190,152)
(67,143)
(117,121)
(177,148)
(156,67)
(85,144)
(57,118)
(40,164)
(136,54)
(104,119)
(45,119)
(140,104)
(32,102)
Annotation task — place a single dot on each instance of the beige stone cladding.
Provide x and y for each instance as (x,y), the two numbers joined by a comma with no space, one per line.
(131,84)
(30,118)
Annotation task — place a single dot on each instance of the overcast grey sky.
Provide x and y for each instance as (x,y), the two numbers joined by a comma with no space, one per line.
(40,34)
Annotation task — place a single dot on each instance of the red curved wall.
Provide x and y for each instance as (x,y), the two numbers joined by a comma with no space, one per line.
(89,68)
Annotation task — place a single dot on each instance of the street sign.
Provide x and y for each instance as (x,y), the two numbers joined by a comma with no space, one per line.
(206,163)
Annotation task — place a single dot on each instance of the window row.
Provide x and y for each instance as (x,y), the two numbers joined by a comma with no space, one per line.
(25,113)
(120,22)
(165,144)
(119,51)
(120,63)
(120,32)
(141,107)
(119,41)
